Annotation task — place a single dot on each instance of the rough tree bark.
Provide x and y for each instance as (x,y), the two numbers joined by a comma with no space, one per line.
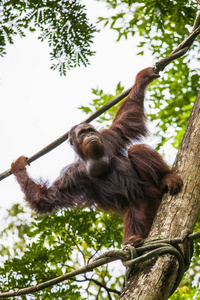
(155,279)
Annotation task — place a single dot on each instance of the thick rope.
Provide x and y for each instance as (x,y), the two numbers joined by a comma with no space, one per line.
(159,246)
(130,256)
(160,250)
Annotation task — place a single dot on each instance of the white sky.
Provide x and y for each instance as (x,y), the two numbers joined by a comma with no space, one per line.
(38,106)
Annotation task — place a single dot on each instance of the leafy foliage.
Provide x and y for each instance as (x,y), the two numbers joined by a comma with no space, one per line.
(63,23)
(171,100)
(58,244)
(15,225)
(100,100)
(152,20)
(162,26)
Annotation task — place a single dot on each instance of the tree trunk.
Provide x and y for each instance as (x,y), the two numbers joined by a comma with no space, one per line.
(155,279)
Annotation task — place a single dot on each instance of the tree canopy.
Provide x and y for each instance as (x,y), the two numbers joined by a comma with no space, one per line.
(46,247)
(63,23)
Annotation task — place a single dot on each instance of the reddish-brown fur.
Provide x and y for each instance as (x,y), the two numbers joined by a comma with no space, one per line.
(130,184)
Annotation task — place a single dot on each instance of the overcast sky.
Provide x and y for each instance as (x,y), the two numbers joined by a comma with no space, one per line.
(38,106)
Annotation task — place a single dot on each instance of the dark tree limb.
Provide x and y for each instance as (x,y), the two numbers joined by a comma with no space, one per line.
(100,284)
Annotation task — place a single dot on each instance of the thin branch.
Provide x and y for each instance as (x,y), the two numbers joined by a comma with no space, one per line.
(95,252)
(103,285)
(77,246)
(97,296)
(109,296)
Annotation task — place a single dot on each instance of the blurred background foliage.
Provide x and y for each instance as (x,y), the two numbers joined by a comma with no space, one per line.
(35,249)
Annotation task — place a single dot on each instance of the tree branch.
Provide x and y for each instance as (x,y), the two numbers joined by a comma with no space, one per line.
(103,286)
